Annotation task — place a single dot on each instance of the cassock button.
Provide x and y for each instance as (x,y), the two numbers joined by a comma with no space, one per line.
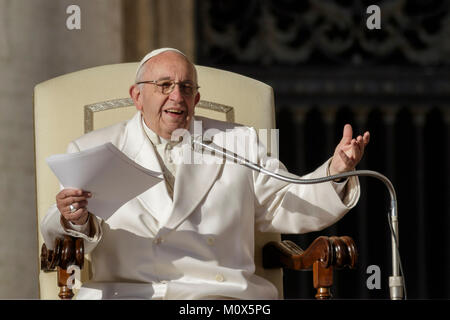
(220,278)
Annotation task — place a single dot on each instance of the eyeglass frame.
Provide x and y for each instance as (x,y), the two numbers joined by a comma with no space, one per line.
(174,83)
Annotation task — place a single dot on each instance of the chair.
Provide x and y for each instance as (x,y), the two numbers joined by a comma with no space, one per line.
(97,97)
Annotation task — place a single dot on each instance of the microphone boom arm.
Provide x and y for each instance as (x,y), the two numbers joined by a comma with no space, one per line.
(396,282)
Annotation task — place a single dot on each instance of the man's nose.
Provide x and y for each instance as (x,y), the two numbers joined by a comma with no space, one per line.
(176,95)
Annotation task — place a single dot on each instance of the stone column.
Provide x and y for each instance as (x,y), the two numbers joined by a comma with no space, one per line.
(36,45)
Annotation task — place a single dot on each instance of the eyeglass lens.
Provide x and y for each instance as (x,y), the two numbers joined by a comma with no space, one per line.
(167,86)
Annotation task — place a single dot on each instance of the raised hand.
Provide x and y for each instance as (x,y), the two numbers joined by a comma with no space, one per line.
(349,151)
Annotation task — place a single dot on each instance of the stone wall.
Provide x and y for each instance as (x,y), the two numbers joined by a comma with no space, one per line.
(36,45)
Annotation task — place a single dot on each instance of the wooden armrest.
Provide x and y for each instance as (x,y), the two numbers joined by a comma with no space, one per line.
(68,251)
(324,254)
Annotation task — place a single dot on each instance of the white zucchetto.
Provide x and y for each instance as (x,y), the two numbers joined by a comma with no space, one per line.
(153,53)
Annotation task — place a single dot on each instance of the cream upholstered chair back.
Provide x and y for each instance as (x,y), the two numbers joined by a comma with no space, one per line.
(68,106)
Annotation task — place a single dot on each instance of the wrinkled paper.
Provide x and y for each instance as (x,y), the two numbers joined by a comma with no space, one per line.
(106,172)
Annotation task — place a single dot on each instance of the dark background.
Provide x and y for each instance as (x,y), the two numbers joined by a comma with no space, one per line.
(327,69)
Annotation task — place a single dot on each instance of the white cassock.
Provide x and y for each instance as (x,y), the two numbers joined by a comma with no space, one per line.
(200,244)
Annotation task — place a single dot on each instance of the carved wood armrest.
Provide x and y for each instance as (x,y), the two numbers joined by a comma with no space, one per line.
(68,251)
(324,254)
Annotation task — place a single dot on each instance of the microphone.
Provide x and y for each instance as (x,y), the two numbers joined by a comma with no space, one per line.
(397,287)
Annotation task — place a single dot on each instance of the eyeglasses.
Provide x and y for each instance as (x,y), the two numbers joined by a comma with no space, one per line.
(187,88)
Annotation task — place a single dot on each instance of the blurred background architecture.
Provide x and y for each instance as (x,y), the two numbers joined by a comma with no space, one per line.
(327,69)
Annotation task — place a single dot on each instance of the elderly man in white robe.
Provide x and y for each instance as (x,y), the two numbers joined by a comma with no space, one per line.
(192,235)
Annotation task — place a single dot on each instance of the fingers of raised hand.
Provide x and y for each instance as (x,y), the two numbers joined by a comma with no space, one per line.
(350,150)
(363,141)
(350,155)
(347,134)
(345,159)
(366,138)
(358,147)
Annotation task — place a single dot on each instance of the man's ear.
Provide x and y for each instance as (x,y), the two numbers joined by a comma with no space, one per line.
(135,94)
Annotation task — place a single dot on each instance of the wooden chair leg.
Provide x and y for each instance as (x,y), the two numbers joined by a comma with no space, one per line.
(65,293)
(68,251)
(322,280)
(323,256)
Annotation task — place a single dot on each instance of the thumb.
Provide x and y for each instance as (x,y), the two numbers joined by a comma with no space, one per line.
(347,133)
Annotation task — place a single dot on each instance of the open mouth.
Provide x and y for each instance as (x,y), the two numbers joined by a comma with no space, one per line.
(174,111)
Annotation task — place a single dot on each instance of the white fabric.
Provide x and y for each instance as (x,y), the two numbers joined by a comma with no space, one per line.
(164,150)
(153,53)
(63,97)
(340,187)
(83,228)
(201,244)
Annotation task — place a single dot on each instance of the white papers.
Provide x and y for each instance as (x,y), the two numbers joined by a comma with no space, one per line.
(111,177)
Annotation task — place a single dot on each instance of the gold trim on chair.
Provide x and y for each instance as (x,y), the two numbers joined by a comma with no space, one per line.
(229,111)
(90,109)
(101,106)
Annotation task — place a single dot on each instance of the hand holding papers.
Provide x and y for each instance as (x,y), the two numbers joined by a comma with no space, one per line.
(111,177)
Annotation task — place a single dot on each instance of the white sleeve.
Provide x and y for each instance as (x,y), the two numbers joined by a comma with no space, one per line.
(83,228)
(340,188)
(55,226)
(299,208)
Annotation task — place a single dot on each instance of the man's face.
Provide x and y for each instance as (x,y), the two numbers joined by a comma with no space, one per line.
(165,113)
